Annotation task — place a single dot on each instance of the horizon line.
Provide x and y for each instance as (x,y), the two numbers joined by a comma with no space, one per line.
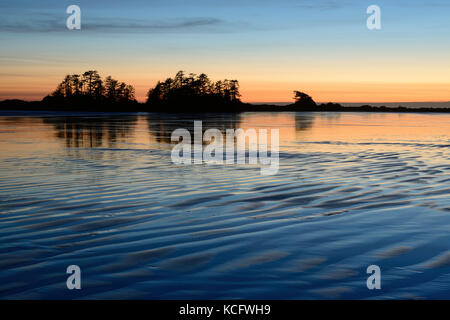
(286,102)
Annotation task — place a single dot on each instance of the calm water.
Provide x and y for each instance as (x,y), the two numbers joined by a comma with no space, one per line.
(100,191)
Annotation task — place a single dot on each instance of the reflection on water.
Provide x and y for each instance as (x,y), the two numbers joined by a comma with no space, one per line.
(161,126)
(100,191)
(92,132)
(304,122)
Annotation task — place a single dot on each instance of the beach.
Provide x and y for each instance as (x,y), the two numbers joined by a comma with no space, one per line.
(99,190)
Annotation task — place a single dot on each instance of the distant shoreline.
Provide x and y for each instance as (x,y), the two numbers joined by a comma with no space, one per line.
(182,94)
(419,104)
(21,105)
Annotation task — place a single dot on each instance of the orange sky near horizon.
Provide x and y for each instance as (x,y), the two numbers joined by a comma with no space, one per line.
(260,90)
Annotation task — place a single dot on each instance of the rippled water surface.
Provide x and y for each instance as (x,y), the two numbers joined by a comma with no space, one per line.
(100,191)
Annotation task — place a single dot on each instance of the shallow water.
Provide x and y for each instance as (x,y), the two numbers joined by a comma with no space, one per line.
(100,191)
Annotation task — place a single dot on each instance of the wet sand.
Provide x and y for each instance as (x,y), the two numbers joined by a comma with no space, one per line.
(100,191)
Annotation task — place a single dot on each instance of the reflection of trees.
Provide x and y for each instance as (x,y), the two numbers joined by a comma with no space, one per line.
(304,121)
(92,132)
(107,131)
(161,126)
(331,116)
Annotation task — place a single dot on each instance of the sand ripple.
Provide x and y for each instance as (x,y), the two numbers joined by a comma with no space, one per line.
(141,227)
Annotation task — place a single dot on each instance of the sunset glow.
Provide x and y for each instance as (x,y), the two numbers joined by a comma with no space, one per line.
(272,48)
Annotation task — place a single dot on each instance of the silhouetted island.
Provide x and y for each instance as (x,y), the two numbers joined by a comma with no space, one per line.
(90,92)
(182,94)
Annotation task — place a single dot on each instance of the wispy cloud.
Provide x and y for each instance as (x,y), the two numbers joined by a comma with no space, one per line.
(321,5)
(50,24)
(149,26)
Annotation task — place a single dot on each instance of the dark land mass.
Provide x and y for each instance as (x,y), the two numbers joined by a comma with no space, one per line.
(213,107)
(181,94)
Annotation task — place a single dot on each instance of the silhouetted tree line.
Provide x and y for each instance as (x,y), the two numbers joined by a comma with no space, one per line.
(182,94)
(90,90)
(194,93)
(303,100)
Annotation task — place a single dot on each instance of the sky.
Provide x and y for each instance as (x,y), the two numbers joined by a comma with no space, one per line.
(321,47)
